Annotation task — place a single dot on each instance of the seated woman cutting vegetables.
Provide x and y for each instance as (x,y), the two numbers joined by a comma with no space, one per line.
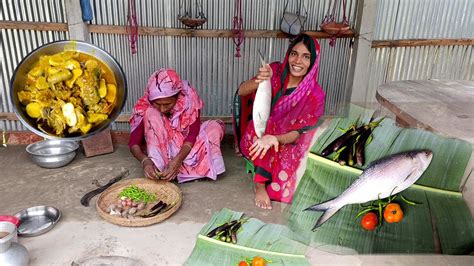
(167,136)
(297,104)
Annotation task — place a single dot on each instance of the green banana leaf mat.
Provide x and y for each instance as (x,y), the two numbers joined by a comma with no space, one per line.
(274,242)
(441,221)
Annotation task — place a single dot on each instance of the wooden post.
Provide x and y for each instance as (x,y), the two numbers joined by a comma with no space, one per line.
(100,143)
(358,76)
(78,29)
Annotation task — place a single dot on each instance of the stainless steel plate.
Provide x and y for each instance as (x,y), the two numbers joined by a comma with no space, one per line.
(37,220)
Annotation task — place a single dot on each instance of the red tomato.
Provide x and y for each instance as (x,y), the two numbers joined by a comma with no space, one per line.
(258,261)
(370,221)
(243,263)
(393,213)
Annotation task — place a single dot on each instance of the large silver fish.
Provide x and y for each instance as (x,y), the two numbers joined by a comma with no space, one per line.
(381,179)
(261,105)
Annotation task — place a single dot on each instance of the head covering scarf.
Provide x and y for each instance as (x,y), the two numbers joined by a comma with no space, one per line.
(166,83)
(299,110)
(163,83)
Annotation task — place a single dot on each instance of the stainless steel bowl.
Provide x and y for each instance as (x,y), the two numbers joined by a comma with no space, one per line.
(37,220)
(52,153)
(18,81)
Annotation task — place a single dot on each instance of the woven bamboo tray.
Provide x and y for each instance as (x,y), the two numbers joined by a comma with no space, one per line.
(165,191)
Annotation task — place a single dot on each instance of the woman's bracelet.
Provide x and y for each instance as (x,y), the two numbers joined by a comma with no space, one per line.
(144,159)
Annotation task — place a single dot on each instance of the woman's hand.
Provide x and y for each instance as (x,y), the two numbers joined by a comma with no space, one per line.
(262,145)
(150,170)
(264,73)
(171,170)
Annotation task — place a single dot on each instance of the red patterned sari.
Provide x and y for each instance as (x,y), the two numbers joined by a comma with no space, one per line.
(299,110)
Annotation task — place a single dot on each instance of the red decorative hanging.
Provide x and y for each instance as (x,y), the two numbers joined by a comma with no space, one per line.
(132,26)
(330,26)
(238,27)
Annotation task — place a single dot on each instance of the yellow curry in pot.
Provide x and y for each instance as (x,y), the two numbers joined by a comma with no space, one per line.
(68,93)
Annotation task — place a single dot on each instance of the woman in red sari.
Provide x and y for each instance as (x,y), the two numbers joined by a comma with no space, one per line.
(297,104)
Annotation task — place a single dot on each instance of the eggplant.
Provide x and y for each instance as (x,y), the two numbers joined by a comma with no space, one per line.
(233,232)
(346,152)
(162,207)
(233,237)
(337,143)
(158,205)
(221,228)
(158,208)
(360,147)
(344,140)
(343,155)
(350,155)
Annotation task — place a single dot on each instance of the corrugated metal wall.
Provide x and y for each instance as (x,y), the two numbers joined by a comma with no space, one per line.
(209,63)
(428,19)
(16,44)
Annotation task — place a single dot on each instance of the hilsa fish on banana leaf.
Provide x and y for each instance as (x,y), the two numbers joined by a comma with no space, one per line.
(381,179)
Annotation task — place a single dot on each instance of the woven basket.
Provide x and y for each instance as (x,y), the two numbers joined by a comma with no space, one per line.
(165,191)
(192,22)
(334,28)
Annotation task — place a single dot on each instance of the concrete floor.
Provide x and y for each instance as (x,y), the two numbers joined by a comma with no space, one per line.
(82,234)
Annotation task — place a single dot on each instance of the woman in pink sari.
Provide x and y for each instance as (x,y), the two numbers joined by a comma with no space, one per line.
(297,104)
(167,136)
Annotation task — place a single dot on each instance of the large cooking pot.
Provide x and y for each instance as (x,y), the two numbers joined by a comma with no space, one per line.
(18,82)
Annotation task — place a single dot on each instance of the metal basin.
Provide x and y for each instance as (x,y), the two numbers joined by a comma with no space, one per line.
(18,82)
(37,220)
(52,153)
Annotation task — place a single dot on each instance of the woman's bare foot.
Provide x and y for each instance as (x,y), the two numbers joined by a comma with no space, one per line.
(262,199)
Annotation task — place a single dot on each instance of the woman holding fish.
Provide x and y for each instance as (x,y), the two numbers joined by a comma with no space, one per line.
(167,136)
(297,102)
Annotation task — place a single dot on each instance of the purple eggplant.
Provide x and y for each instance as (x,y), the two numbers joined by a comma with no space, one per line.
(360,147)
(343,140)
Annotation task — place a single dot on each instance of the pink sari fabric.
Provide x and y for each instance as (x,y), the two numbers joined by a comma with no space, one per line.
(298,110)
(165,135)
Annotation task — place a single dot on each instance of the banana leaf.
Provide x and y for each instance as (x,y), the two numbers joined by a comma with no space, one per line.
(343,234)
(377,148)
(335,129)
(453,222)
(450,156)
(441,217)
(276,243)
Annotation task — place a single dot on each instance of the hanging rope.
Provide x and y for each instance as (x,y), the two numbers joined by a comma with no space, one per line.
(238,27)
(132,26)
(329,24)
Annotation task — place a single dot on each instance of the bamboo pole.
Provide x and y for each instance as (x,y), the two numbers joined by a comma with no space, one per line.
(155,31)
(420,42)
(40,26)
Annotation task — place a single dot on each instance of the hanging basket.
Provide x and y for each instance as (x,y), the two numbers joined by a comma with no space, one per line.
(335,28)
(192,22)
